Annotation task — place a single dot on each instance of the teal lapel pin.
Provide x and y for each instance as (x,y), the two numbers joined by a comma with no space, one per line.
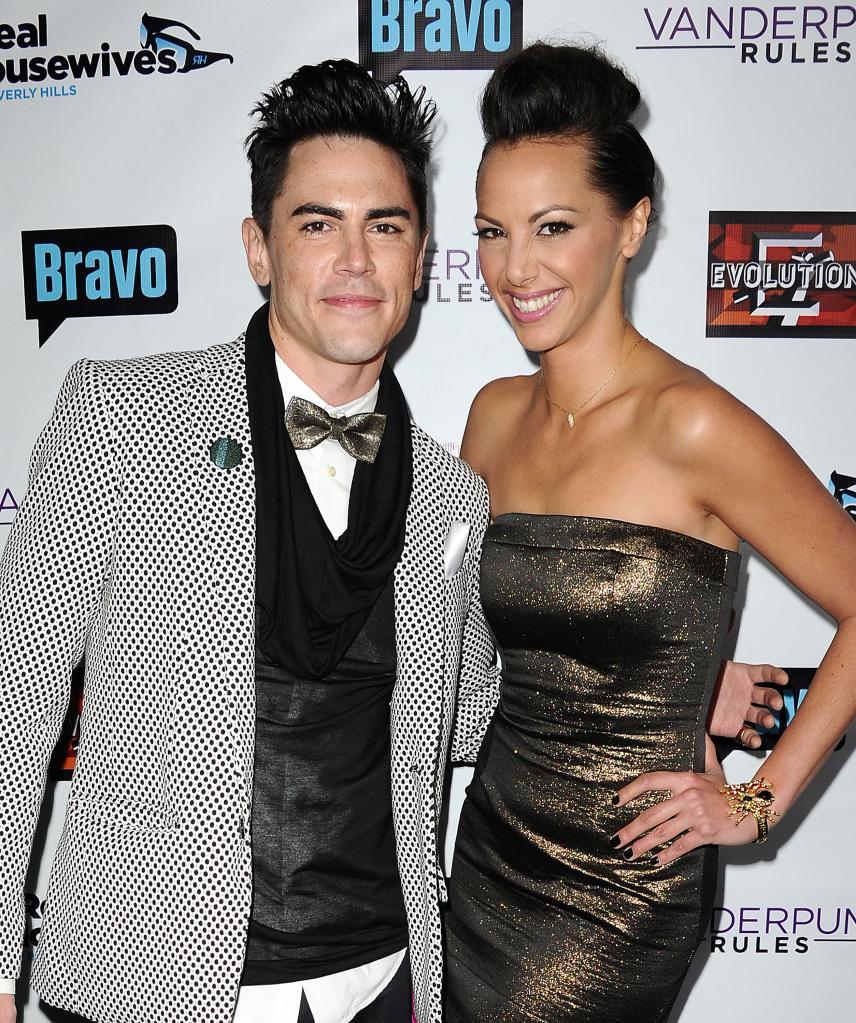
(226,453)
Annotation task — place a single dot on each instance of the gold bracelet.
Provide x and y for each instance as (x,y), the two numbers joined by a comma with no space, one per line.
(755,798)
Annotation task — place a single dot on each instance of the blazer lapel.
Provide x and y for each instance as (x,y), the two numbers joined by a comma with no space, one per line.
(225,477)
(419,622)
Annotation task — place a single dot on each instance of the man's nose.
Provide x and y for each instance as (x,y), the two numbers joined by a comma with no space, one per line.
(355,254)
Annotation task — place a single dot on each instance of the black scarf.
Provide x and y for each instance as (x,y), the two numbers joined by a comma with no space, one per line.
(314,593)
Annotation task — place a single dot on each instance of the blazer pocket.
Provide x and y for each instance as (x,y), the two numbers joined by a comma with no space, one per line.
(455,548)
(142,816)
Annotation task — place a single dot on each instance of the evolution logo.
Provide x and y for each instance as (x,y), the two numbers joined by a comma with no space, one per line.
(162,50)
(781,275)
(98,271)
(451,35)
(793,694)
(843,489)
(452,276)
(794,34)
(761,930)
(8,507)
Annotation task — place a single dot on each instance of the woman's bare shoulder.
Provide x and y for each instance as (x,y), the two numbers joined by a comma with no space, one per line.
(503,395)
(493,414)
(690,413)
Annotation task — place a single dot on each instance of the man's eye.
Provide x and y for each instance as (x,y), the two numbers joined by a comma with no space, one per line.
(387,229)
(314,227)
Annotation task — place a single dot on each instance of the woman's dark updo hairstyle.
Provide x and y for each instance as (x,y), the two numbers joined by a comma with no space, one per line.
(562,91)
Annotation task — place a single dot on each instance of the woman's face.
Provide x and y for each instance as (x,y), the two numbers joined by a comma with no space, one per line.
(551,248)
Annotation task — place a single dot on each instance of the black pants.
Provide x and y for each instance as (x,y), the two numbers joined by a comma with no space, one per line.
(391,1006)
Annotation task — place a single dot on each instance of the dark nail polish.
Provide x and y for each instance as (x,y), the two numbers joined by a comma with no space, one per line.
(615,841)
(615,800)
(627,854)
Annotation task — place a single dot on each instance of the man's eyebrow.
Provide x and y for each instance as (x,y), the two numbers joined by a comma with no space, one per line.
(314,209)
(384,212)
(317,210)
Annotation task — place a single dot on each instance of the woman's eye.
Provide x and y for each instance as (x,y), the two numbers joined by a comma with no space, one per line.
(487,234)
(555,227)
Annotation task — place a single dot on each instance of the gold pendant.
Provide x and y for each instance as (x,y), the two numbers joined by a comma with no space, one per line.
(571,420)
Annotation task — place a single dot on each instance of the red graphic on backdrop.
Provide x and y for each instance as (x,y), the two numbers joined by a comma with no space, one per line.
(781,275)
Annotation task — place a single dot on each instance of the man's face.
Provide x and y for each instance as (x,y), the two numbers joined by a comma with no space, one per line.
(344,252)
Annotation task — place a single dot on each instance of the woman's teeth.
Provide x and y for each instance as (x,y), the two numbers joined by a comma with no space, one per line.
(532,305)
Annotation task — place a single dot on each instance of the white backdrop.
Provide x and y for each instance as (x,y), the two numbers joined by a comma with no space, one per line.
(729,133)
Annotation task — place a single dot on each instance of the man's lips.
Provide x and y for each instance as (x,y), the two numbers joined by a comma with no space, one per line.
(533,305)
(348,301)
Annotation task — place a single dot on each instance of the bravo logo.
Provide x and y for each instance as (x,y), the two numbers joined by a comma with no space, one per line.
(793,694)
(100,271)
(398,35)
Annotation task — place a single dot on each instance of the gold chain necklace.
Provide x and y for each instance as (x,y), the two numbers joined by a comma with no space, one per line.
(572,414)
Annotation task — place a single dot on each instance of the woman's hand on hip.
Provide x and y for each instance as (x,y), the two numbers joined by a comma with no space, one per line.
(695,813)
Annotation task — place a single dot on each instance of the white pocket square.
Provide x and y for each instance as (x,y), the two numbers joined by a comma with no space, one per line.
(455,547)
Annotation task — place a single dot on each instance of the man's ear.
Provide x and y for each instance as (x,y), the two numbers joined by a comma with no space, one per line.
(256,248)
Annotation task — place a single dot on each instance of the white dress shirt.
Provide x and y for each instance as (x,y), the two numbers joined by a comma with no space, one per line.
(338,997)
(328,468)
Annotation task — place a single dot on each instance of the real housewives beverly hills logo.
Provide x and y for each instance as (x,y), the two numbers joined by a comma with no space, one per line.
(164,49)
(399,35)
(843,489)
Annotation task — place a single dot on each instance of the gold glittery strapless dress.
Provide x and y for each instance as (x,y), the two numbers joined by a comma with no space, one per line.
(611,636)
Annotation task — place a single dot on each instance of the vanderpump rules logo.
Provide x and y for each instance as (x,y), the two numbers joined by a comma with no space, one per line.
(781,275)
(32,68)
(755,35)
(779,930)
(449,35)
(452,276)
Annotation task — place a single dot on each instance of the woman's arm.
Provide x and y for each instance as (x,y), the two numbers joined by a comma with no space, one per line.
(733,464)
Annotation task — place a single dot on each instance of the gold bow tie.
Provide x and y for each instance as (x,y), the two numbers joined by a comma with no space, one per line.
(360,435)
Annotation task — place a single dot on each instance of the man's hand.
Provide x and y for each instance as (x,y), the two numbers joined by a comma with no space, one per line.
(742,699)
(7,1009)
